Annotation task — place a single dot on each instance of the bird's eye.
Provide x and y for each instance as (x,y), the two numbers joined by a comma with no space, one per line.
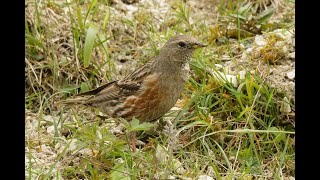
(182,44)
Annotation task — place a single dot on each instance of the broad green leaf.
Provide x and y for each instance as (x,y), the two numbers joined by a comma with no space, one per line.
(265,15)
(278,135)
(242,10)
(88,45)
(135,126)
(69,89)
(119,172)
(84,87)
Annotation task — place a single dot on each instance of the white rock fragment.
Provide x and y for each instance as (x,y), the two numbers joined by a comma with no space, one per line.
(283,33)
(291,74)
(218,66)
(60,146)
(48,120)
(161,154)
(260,41)
(50,129)
(178,167)
(118,161)
(249,50)
(174,108)
(242,75)
(205,177)
(289,178)
(28,125)
(285,49)
(285,106)
(246,54)
(225,58)
(162,157)
(171,177)
(226,78)
(232,79)
(292,55)
(210,171)
(73,145)
(86,151)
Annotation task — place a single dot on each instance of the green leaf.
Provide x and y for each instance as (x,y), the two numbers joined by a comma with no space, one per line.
(265,15)
(278,135)
(135,126)
(93,3)
(69,89)
(88,45)
(79,18)
(244,9)
(106,18)
(84,87)
(119,172)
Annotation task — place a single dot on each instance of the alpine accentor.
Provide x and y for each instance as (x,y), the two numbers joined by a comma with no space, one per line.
(151,90)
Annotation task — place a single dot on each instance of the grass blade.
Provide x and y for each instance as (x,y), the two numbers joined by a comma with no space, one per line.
(88,45)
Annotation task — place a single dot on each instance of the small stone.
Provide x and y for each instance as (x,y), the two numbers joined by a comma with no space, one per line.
(242,75)
(86,151)
(232,79)
(118,161)
(292,55)
(58,145)
(161,154)
(178,167)
(218,66)
(50,129)
(285,106)
(205,177)
(289,178)
(291,74)
(260,41)
(226,77)
(225,58)
(73,145)
(284,49)
(171,177)
(210,171)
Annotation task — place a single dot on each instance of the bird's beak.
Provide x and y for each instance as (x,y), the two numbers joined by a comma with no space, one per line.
(198,45)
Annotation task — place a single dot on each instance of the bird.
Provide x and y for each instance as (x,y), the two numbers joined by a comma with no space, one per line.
(151,90)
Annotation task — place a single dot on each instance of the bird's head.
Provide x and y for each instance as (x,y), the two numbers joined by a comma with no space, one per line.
(180,48)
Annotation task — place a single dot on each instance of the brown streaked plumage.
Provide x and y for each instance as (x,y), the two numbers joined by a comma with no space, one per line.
(151,90)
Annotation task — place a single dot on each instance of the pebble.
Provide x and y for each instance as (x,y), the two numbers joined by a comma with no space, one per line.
(50,129)
(285,106)
(291,74)
(242,74)
(205,177)
(292,55)
(260,41)
(218,66)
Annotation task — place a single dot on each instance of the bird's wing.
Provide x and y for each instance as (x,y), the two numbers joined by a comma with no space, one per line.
(139,74)
(97,90)
(130,85)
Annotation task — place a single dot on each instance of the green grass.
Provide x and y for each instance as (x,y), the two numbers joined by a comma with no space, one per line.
(220,130)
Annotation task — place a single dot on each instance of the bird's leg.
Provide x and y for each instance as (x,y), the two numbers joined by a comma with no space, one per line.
(132,138)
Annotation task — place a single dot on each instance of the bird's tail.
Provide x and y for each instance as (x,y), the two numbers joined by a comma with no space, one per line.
(74,100)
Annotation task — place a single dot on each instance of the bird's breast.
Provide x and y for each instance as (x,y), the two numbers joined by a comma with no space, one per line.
(157,96)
